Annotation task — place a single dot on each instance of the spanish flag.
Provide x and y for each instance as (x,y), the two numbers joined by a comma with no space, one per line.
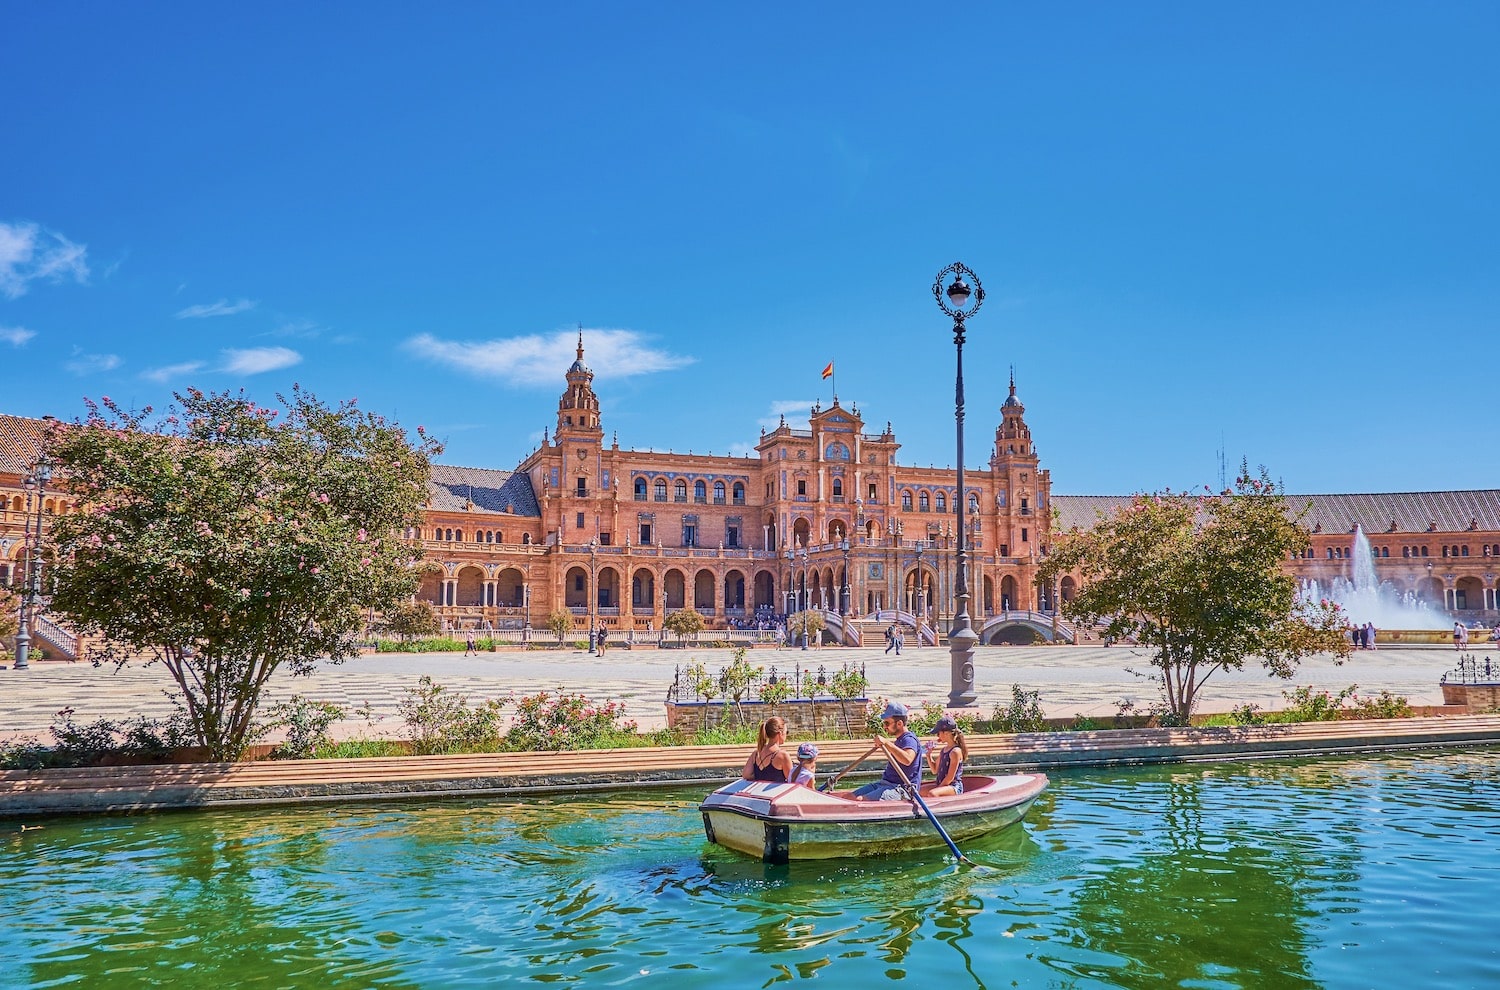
(828,371)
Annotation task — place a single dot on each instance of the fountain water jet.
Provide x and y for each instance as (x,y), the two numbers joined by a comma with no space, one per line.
(1367,599)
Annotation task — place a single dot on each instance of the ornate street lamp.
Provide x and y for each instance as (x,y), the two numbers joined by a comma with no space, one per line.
(919,599)
(844,608)
(31,576)
(593,590)
(960,302)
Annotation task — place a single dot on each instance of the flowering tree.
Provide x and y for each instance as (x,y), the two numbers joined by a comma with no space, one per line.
(229,540)
(1199,579)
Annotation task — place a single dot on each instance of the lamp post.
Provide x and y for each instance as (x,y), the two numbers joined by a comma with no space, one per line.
(593,590)
(960,302)
(806,603)
(844,605)
(31,575)
(920,598)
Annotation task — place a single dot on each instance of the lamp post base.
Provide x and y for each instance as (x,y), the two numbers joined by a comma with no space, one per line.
(961,644)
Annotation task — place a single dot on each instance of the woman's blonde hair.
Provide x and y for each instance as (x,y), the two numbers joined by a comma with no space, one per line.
(773,726)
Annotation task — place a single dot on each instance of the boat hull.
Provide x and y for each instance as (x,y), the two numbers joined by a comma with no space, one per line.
(778,823)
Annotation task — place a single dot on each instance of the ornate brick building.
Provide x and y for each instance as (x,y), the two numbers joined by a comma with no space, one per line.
(825,517)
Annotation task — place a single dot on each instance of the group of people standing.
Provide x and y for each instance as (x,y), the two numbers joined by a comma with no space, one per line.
(904,752)
(1363,636)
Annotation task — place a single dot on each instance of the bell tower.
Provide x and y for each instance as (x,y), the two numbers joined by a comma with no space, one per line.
(578,408)
(1022,491)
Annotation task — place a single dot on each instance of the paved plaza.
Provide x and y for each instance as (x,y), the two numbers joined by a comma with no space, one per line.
(1072,680)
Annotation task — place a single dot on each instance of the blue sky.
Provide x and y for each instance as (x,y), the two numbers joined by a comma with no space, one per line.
(1271,226)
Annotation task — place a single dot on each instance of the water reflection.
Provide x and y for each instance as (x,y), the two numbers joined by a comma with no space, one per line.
(1292,874)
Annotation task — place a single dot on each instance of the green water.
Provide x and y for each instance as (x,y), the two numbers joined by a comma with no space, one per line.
(1331,873)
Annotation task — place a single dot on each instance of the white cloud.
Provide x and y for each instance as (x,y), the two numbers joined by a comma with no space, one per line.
(168,372)
(542,359)
(286,327)
(89,364)
(29,253)
(255,360)
(221,308)
(16,336)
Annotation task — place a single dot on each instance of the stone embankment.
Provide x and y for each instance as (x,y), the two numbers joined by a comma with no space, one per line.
(216,785)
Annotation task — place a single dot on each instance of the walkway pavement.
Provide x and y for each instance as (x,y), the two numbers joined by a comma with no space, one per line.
(1072,680)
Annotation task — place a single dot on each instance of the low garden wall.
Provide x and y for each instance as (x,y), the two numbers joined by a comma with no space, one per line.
(1478,697)
(820,718)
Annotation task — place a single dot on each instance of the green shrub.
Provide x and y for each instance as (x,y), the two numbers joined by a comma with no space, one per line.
(560,721)
(444,722)
(1023,714)
(1383,705)
(1308,705)
(307,723)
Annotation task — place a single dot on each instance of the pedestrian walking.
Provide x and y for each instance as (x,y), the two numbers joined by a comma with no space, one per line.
(470,647)
(890,638)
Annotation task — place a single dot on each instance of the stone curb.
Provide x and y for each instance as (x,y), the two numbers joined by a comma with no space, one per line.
(114,790)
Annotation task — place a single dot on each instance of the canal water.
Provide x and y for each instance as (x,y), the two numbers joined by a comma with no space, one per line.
(1331,873)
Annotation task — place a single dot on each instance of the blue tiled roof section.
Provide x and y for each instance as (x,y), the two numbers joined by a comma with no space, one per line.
(451,488)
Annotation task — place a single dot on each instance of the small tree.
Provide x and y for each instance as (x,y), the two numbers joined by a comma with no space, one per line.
(561,623)
(10,613)
(1199,579)
(736,681)
(808,624)
(684,622)
(229,540)
(412,619)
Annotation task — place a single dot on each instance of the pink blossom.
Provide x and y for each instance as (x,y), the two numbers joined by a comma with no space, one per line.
(244,592)
(364,562)
(316,569)
(361,535)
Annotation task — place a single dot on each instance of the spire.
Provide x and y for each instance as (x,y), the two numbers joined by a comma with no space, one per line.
(580,354)
(1011,401)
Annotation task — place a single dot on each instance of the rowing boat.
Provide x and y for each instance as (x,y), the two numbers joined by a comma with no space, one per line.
(781,822)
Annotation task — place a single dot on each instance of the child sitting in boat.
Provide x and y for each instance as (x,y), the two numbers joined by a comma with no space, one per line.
(947,760)
(769,762)
(807,766)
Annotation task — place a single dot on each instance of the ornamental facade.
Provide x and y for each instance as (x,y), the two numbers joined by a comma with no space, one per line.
(825,518)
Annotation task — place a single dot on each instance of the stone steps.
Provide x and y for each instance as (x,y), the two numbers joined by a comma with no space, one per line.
(142,788)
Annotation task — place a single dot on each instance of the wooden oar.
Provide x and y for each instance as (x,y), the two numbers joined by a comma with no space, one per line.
(916,795)
(828,784)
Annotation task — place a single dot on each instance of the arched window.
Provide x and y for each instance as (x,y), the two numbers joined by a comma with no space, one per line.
(718,493)
(924,502)
(942,502)
(661,489)
(906,501)
(838,487)
(458,536)
(739,493)
(700,492)
(973,502)
(526,539)
(679,490)
(640,489)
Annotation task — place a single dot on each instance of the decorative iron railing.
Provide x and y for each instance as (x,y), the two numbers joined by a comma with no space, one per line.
(806,685)
(1471,671)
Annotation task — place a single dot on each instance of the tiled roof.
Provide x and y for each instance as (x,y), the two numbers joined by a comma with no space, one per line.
(20,443)
(452,488)
(1412,512)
